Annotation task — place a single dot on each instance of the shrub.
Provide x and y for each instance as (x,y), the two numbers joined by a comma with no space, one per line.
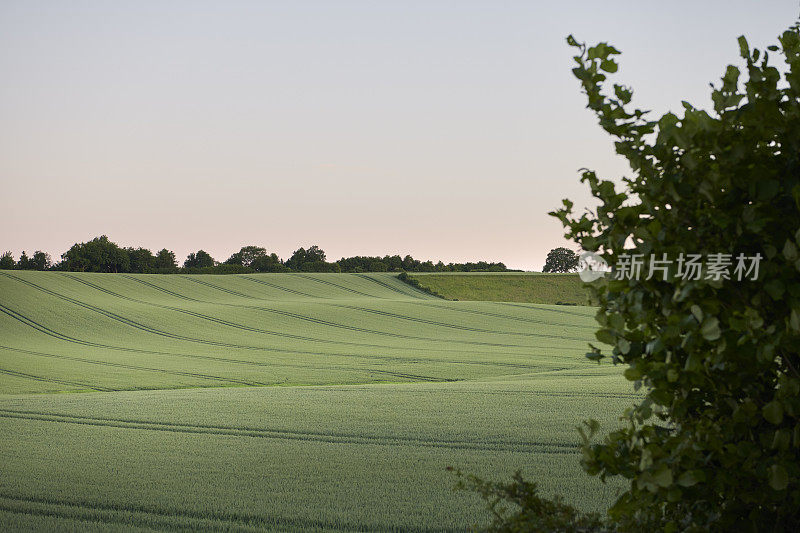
(715,445)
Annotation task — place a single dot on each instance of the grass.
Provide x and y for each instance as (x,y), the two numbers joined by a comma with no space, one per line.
(282,401)
(525,287)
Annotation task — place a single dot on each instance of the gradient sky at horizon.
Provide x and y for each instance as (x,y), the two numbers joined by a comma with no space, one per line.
(446,130)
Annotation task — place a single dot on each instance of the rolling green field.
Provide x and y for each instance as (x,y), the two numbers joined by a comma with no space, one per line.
(529,287)
(282,401)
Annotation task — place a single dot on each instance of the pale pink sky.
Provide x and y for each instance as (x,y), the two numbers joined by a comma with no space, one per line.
(442,129)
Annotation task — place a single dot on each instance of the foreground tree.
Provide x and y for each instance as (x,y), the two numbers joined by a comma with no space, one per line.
(561,260)
(715,444)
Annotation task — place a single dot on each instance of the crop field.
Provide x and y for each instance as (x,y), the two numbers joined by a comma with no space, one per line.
(529,287)
(283,402)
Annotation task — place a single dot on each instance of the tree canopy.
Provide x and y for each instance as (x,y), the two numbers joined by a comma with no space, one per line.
(561,260)
(715,443)
(102,255)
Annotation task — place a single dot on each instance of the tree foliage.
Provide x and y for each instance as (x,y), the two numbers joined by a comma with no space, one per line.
(7,261)
(561,260)
(715,444)
(201,259)
(165,261)
(97,255)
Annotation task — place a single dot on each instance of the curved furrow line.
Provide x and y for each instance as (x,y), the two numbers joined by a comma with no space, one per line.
(499,315)
(336,324)
(150,329)
(342,287)
(54,380)
(539,307)
(392,288)
(447,325)
(223,289)
(162,289)
(372,358)
(162,333)
(269,433)
(67,338)
(136,367)
(279,287)
(162,518)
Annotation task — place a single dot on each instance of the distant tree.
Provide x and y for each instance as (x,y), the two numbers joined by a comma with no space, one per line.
(97,255)
(267,263)
(301,257)
(141,260)
(7,261)
(201,259)
(561,260)
(246,256)
(378,266)
(165,260)
(409,263)
(24,262)
(40,261)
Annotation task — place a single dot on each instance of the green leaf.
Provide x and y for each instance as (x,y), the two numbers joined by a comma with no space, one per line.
(663,477)
(778,478)
(697,312)
(794,321)
(623,345)
(710,329)
(744,49)
(691,478)
(790,250)
(606,337)
(773,412)
(609,65)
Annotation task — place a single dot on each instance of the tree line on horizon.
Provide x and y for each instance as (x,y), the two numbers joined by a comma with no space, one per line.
(102,255)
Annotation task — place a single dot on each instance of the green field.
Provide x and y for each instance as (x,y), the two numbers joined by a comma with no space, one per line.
(282,401)
(528,287)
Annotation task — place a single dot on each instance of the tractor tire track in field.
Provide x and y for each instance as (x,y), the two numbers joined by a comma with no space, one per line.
(540,307)
(507,317)
(327,322)
(265,433)
(165,519)
(371,358)
(395,289)
(444,324)
(279,287)
(342,287)
(135,367)
(176,336)
(154,286)
(364,330)
(54,380)
(44,329)
(156,331)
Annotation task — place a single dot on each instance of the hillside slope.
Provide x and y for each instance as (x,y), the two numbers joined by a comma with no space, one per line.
(526,287)
(179,423)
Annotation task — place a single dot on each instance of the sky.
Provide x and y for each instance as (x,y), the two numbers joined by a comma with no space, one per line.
(446,130)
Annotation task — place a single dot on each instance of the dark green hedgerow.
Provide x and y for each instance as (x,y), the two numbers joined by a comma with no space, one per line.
(405,278)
